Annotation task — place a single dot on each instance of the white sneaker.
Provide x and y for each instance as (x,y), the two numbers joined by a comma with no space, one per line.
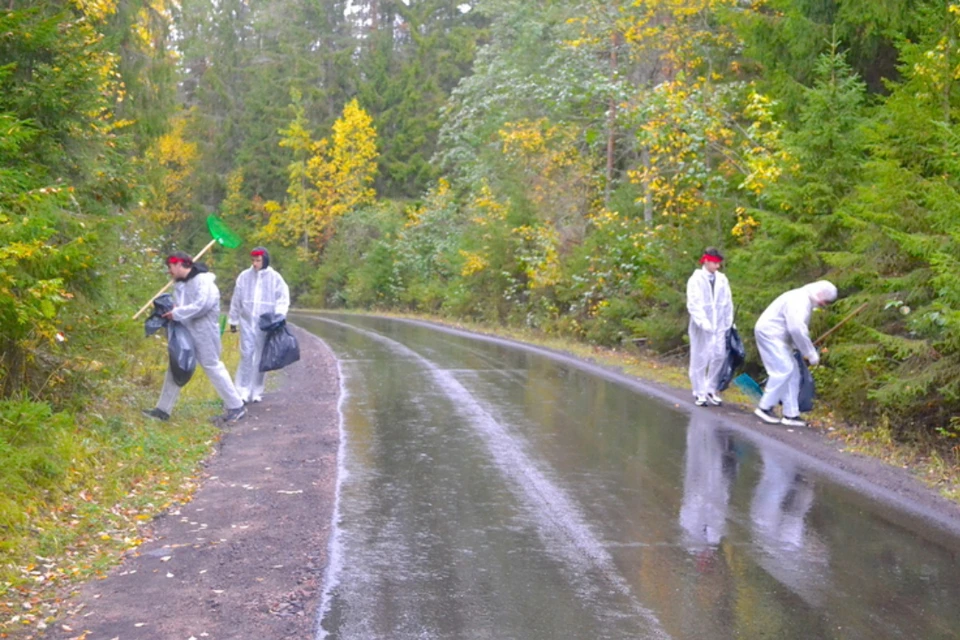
(766,416)
(714,399)
(793,422)
(701,401)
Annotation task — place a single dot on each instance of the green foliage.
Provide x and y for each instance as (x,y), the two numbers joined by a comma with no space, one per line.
(41,255)
(406,77)
(841,173)
(343,273)
(66,166)
(37,450)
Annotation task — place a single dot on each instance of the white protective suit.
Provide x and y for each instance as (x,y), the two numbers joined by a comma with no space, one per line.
(781,329)
(197,306)
(711,315)
(256,293)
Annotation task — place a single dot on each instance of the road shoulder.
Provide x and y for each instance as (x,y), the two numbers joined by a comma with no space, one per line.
(245,558)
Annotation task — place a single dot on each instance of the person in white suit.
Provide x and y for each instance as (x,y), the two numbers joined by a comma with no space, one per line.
(260,289)
(779,330)
(197,307)
(710,304)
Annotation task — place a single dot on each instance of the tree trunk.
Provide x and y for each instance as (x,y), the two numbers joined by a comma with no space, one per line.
(611,119)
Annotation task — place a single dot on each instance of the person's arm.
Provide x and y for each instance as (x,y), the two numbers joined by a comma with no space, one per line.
(282,292)
(727,305)
(695,304)
(206,297)
(235,305)
(797,314)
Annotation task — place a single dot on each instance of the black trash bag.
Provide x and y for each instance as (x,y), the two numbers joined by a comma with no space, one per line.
(270,321)
(161,305)
(808,389)
(736,355)
(180,348)
(281,347)
(182,352)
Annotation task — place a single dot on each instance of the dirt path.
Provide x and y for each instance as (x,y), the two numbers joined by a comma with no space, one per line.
(245,558)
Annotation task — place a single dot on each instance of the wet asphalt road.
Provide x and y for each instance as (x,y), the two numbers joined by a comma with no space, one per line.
(492,492)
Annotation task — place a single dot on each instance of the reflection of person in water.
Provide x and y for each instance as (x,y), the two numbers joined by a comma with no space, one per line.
(789,552)
(711,467)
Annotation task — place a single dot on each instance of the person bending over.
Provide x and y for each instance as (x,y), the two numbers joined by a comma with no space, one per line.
(781,329)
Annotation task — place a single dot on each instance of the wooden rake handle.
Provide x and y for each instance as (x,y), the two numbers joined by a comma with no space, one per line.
(167,286)
(841,323)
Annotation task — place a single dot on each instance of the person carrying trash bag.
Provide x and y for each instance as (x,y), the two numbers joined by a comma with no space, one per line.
(280,347)
(180,348)
(710,304)
(736,356)
(197,308)
(779,330)
(259,290)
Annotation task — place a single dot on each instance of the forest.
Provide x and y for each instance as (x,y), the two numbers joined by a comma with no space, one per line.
(557,165)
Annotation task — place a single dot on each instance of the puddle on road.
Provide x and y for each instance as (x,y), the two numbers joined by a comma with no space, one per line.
(490,492)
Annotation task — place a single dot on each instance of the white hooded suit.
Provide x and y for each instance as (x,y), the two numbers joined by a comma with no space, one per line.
(257,292)
(781,329)
(711,315)
(197,307)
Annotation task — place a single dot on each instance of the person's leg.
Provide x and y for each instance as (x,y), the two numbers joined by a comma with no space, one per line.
(791,393)
(699,357)
(208,357)
(258,378)
(779,363)
(169,394)
(249,362)
(718,355)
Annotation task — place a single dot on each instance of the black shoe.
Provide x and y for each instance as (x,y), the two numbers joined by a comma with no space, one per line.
(233,415)
(156,414)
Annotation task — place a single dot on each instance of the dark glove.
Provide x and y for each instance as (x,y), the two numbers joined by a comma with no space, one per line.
(233,328)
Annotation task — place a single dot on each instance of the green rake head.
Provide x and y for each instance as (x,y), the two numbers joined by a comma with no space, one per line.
(748,386)
(222,233)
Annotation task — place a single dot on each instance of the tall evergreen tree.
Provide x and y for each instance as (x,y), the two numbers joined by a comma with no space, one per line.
(412,55)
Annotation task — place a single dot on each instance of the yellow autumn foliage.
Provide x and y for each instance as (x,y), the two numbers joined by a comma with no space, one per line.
(474,262)
(556,175)
(175,158)
(328,178)
(538,255)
